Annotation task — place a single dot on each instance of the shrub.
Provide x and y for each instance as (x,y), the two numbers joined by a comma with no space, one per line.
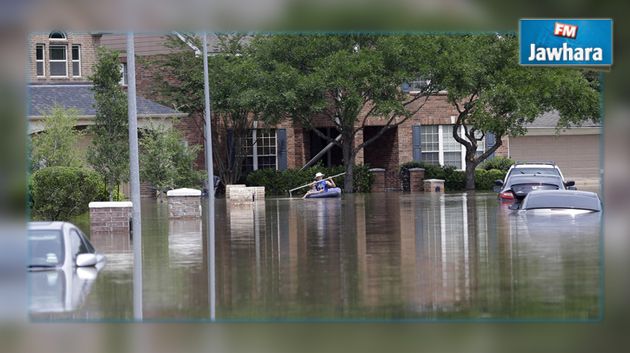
(499,163)
(453,179)
(279,182)
(62,192)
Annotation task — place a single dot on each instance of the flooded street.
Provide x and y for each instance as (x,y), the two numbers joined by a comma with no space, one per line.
(376,256)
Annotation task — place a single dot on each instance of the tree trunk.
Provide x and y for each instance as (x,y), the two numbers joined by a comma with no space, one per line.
(471,165)
(348,162)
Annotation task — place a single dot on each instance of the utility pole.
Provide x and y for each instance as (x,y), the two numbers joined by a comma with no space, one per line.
(210,170)
(134,179)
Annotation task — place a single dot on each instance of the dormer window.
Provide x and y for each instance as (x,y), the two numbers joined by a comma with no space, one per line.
(57,36)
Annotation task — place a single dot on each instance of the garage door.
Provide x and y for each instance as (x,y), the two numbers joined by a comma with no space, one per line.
(577,156)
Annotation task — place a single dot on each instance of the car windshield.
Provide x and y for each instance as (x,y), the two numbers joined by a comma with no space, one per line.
(549,200)
(534,186)
(535,171)
(45,248)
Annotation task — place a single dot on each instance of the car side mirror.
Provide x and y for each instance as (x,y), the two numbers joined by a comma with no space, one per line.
(498,182)
(569,183)
(514,206)
(86,260)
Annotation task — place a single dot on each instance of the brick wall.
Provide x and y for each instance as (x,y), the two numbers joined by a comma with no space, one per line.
(88,44)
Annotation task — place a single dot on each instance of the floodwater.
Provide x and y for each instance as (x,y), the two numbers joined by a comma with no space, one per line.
(384,256)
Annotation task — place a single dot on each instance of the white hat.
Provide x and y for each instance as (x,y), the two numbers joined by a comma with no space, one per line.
(318,174)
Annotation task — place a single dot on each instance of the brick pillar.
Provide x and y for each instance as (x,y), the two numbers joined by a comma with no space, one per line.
(416,177)
(184,203)
(379,179)
(434,185)
(110,217)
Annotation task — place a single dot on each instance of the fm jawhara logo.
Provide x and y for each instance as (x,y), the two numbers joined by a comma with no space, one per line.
(577,42)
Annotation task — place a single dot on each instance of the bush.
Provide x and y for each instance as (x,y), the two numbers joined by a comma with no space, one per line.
(62,192)
(484,179)
(453,179)
(499,163)
(279,182)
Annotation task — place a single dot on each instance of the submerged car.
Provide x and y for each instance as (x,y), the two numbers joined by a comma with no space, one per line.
(518,186)
(537,168)
(570,202)
(59,245)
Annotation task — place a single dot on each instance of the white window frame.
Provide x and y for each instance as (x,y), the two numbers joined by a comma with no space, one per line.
(42,60)
(255,155)
(62,40)
(73,60)
(50,59)
(481,147)
(123,74)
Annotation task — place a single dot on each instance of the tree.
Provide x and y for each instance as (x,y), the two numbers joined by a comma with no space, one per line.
(235,88)
(166,162)
(345,80)
(56,145)
(493,94)
(109,154)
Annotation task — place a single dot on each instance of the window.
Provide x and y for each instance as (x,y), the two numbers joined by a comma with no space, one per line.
(57,36)
(440,148)
(58,61)
(76,60)
(76,244)
(123,74)
(260,150)
(430,138)
(39,60)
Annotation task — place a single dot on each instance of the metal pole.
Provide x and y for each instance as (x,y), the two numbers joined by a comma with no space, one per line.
(134,178)
(210,170)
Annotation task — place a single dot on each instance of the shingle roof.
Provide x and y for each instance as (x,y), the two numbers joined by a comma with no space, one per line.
(81,97)
(550,120)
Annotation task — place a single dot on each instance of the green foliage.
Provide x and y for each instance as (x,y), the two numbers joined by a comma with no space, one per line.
(59,193)
(56,146)
(494,94)
(109,154)
(484,179)
(340,77)
(453,179)
(166,162)
(279,182)
(499,162)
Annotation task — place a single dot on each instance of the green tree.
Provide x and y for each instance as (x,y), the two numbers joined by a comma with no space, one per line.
(235,88)
(166,162)
(346,80)
(56,145)
(109,154)
(494,94)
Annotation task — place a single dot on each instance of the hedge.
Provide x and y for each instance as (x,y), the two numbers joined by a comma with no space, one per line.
(500,163)
(59,193)
(279,182)
(453,179)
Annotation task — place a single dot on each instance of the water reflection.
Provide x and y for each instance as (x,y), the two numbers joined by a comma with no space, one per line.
(376,256)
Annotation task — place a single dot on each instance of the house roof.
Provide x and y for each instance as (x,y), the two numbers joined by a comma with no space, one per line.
(550,120)
(43,97)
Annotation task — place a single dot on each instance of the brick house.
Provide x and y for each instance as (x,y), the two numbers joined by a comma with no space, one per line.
(60,66)
(427,136)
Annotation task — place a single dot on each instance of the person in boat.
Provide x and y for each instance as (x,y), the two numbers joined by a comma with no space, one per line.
(320,185)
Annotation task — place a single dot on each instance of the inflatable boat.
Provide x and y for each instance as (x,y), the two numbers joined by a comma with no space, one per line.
(332,192)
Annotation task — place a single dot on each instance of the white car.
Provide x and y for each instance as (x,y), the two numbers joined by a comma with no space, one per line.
(59,245)
(536,168)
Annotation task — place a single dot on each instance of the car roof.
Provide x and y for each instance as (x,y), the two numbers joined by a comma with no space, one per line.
(44,225)
(535,166)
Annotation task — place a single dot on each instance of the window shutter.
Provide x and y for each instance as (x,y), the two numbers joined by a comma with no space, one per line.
(282,149)
(491,140)
(416,143)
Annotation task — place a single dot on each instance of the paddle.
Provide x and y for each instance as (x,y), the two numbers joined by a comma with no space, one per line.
(311,183)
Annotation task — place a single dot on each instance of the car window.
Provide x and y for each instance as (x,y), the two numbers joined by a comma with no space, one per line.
(86,242)
(563,201)
(534,171)
(45,248)
(76,244)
